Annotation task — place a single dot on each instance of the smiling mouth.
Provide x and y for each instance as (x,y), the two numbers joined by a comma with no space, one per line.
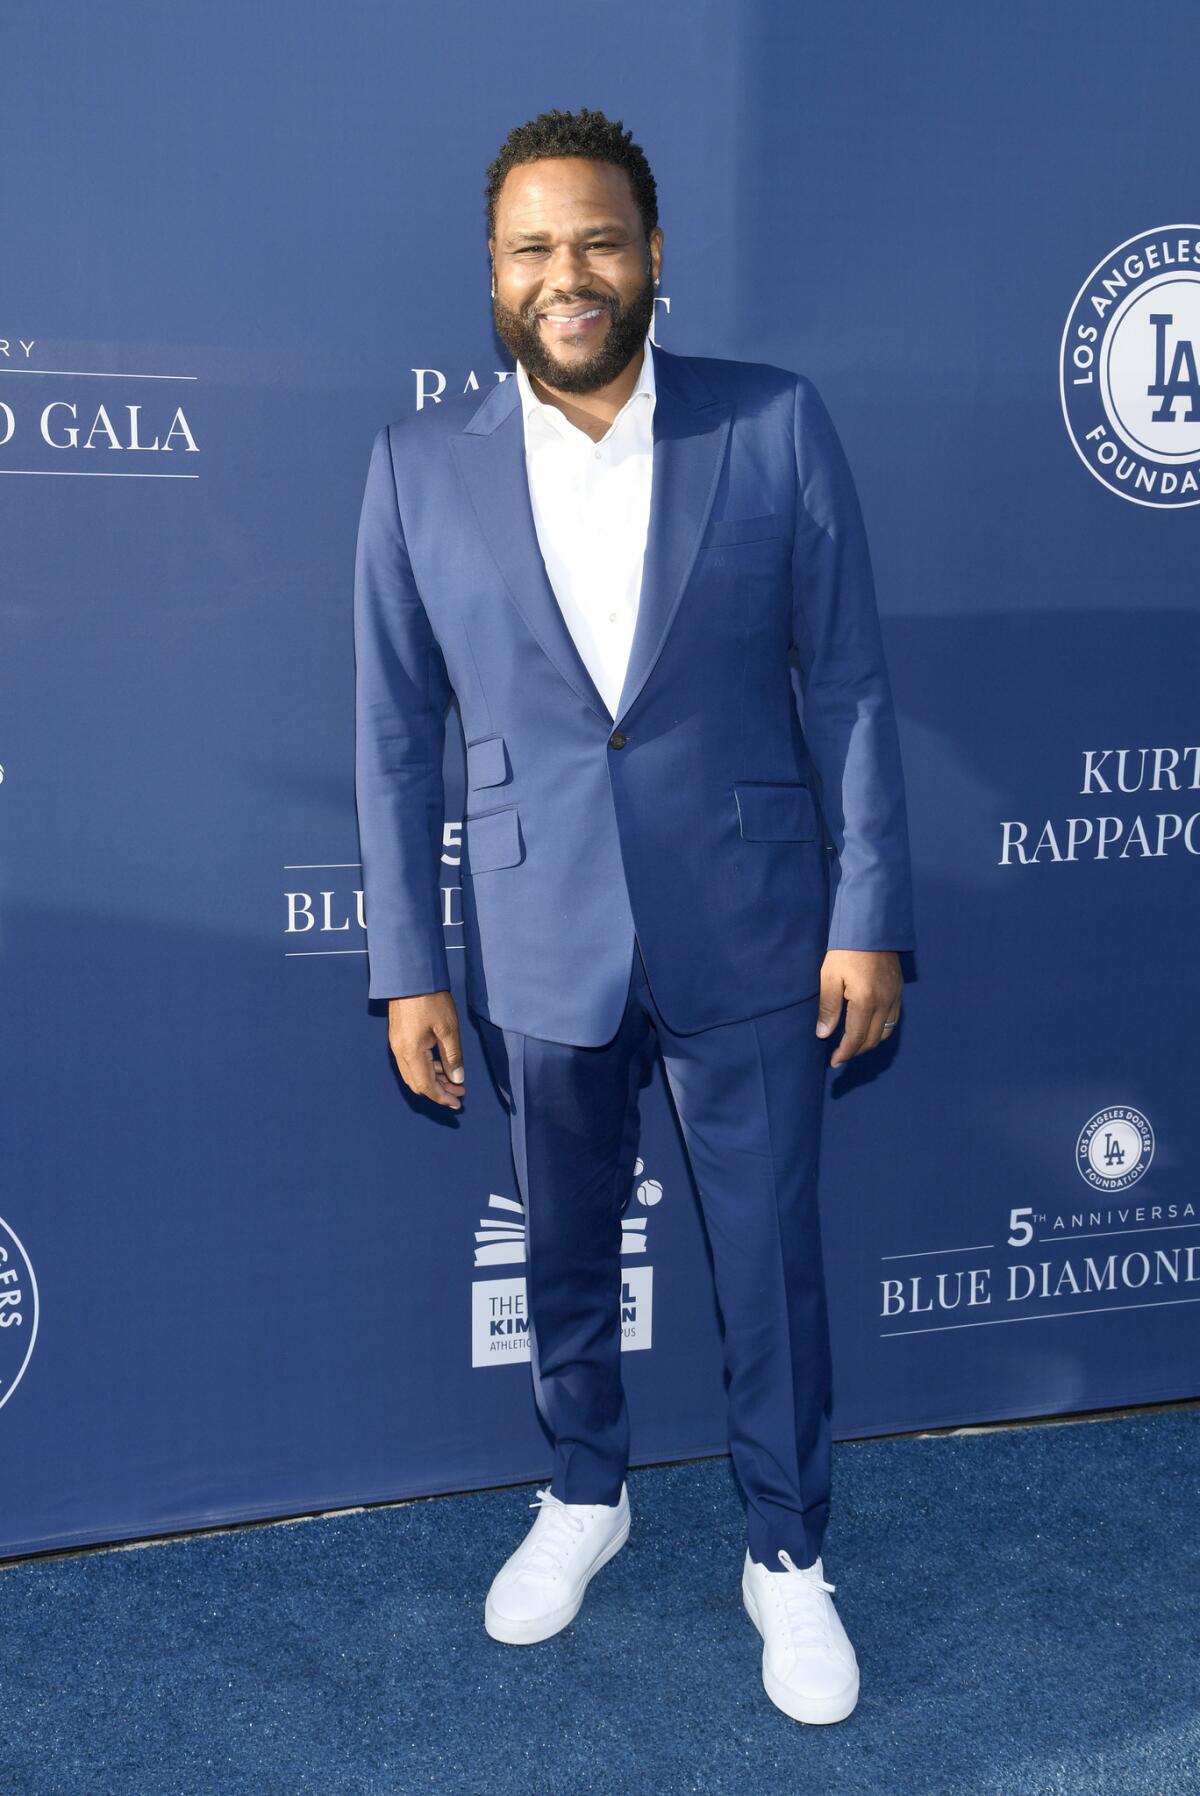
(572,324)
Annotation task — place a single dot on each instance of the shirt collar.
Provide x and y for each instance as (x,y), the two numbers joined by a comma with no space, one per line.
(532,406)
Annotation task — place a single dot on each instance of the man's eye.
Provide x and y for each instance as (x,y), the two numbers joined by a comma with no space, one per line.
(537,249)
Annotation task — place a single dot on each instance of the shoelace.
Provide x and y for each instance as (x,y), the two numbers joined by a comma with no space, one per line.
(552,1541)
(805,1613)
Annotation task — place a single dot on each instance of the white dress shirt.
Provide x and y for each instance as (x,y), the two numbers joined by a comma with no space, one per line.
(591,508)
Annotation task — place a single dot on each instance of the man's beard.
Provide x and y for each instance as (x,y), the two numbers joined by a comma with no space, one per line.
(629,326)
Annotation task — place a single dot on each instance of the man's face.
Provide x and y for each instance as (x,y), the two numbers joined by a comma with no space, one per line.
(574,272)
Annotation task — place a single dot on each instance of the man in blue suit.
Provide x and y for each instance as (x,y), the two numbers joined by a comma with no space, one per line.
(613,561)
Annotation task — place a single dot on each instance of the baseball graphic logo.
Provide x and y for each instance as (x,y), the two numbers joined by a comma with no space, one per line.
(1129,374)
(648,1191)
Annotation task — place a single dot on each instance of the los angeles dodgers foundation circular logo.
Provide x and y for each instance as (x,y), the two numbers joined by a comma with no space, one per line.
(1129,369)
(1114,1148)
(18,1311)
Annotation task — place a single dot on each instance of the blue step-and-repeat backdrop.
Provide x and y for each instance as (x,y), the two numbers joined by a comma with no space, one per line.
(242,1272)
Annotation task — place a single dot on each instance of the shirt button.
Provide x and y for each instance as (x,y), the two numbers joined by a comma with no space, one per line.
(612,617)
(597,454)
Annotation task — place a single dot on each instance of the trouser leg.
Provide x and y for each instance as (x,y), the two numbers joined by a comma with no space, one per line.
(573,1116)
(749,1098)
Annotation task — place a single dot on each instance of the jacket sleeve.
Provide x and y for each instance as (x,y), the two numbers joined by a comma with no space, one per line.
(401,693)
(847,713)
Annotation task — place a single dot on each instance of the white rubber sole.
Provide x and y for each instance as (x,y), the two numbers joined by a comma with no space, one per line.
(819,1710)
(528,1633)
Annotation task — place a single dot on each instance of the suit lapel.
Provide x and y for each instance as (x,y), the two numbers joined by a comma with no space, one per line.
(691,428)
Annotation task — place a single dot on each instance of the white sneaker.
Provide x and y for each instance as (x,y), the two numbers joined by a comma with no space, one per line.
(808,1667)
(540,1587)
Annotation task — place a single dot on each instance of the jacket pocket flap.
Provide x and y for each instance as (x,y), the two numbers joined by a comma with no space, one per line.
(494,840)
(776,811)
(747,530)
(487,762)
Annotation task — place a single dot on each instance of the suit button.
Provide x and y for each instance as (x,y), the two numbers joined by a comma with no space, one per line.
(618,739)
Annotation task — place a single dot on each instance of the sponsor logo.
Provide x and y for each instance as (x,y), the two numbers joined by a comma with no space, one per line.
(18,1311)
(1114,1148)
(500,1320)
(499,1315)
(1128,374)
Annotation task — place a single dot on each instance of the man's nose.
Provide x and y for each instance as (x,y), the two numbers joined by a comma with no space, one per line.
(567,268)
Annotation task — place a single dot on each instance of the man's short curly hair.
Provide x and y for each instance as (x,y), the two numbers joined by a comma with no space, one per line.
(582,133)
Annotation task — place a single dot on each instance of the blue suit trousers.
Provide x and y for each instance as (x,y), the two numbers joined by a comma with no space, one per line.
(749,1096)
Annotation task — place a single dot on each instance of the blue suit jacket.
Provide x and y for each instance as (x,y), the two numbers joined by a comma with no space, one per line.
(699,814)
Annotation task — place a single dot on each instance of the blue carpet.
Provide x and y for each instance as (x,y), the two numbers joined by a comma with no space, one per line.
(1023,1605)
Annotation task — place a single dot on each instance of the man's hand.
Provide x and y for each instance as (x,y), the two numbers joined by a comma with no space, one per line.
(871,982)
(415,1026)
